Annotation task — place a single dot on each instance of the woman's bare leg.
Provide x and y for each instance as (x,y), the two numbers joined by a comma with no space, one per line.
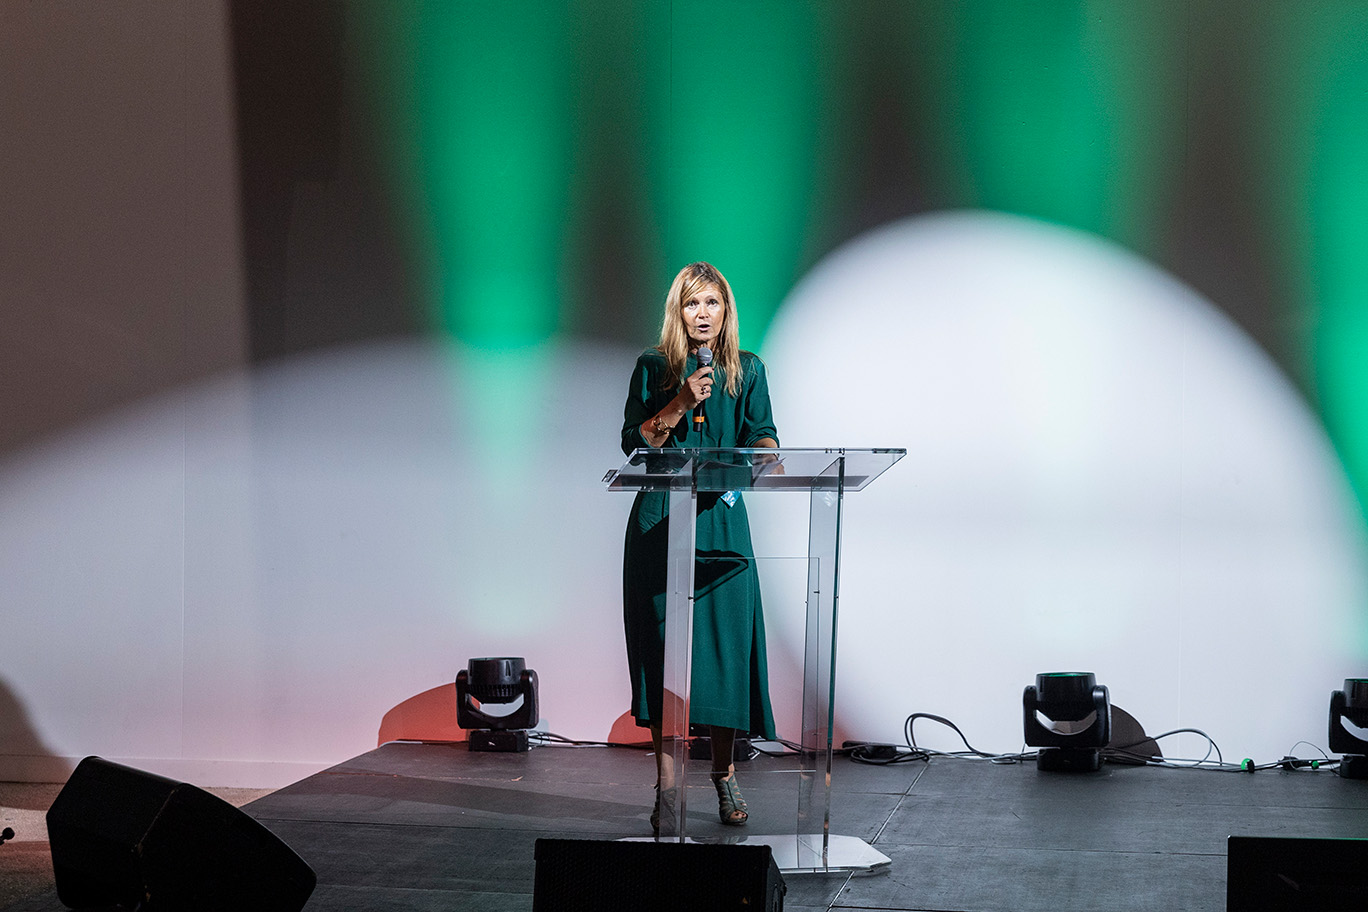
(723,741)
(664,763)
(731,806)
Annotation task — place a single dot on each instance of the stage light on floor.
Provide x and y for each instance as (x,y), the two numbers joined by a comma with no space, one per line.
(1350,706)
(1067,717)
(496,701)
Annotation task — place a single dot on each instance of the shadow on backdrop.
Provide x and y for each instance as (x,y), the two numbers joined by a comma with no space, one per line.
(323,264)
(23,755)
(428,716)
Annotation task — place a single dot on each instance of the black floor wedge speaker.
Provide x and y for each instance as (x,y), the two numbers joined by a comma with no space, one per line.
(579,875)
(123,837)
(1296,874)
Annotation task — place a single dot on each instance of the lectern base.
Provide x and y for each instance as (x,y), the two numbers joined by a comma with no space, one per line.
(803,854)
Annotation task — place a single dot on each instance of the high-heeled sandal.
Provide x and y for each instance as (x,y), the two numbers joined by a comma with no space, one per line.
(731,807)
(665,798)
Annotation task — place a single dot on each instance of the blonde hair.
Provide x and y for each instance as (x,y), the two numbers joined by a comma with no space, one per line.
(674,338)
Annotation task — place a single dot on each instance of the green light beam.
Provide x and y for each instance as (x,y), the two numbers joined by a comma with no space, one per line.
(1064,111)
(735,136)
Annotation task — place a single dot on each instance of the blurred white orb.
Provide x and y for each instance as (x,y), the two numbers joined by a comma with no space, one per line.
(1104,473)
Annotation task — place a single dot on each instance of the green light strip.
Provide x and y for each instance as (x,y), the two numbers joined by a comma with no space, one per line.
(1314,146)
(484,117)
(734,143)
(1065,111)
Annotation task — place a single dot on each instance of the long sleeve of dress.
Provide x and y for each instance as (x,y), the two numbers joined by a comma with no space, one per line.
(757,420)
(640,397)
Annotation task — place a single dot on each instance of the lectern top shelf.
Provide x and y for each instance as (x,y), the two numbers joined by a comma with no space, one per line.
(752,469)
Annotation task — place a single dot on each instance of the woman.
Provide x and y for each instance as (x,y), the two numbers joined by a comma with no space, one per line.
(729,677)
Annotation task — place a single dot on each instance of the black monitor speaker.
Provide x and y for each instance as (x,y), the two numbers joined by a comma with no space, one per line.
(1286,874)
(585,875)
(122,837)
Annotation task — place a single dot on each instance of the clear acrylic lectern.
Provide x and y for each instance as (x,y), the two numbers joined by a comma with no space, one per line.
(826,475)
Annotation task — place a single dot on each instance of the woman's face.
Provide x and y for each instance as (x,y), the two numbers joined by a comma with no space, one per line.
(704,314)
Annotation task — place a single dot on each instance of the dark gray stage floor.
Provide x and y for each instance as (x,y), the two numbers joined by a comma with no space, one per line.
(434,827)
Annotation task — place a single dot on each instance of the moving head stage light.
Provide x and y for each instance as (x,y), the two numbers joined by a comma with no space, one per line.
(1350,704)
(496,701)
(1079,713)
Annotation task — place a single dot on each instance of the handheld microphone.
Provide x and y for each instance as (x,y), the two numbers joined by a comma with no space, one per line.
(704,360)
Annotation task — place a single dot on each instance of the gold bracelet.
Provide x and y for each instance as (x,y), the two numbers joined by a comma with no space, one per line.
(660,427)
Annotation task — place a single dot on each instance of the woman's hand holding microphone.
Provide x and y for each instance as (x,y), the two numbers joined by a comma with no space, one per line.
(697,387)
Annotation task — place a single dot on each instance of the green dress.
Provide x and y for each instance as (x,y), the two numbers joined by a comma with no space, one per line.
(729,677)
